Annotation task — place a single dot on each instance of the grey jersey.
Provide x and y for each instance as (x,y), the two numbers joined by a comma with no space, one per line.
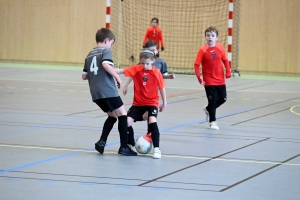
(102,84)
(161,65)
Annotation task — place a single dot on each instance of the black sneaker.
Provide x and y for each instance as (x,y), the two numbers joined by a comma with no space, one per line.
(100,145)
(126,151)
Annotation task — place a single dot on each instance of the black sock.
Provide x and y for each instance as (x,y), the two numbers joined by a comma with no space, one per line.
(153,128)
(131,136)
(108,125)
(122,127)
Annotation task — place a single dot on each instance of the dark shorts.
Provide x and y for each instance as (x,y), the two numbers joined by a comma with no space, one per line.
(137,112)
(109,104)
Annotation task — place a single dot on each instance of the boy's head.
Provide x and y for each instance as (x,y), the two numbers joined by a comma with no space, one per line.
(211,36)
(106,37)
(147,59)
(154,22)
(151,45)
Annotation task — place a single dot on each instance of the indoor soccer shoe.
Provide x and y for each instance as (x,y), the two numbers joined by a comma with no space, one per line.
(100,145)
(132,148)
(207,114)
(213,125)
(126,151)
(156,153)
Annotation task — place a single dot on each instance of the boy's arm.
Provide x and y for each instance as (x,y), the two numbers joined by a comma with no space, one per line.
(228,70)
(145,37)
(162,42)
(164,99)
(197,72)
(168,76)
(112,71)
(84,72)
(125,89)
(197,63)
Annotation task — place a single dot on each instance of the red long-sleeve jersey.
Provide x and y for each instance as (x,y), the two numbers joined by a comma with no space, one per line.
(212,59)
(154,34)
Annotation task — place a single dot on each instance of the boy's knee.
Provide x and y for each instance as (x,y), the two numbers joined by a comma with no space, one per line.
(152,119)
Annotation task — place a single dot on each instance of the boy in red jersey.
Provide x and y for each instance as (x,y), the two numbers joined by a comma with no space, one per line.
(154,33)
(211,57)
(146,79)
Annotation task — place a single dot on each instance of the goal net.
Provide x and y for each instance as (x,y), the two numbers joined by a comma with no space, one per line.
(183,23)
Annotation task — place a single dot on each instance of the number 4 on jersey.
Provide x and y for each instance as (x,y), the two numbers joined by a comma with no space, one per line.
(93,67)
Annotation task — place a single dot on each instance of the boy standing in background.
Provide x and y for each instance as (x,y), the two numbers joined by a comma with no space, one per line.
(212,58)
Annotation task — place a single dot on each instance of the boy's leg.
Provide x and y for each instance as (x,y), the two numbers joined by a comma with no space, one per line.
(212,97)
(122,127)
(130,131)
(108,125)
(222,95)
(153,129)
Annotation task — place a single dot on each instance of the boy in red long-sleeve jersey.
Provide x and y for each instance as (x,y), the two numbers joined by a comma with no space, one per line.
(154,32)
(212,58)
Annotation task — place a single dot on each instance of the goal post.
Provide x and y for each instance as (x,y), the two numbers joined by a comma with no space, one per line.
(183,23)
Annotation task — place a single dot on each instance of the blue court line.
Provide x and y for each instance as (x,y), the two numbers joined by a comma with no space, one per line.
(123,186)
(110,144)
(38,162)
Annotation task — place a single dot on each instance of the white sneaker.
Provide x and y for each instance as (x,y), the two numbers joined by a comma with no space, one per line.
(213,125)
(207,114)
(156,153)
(132,148)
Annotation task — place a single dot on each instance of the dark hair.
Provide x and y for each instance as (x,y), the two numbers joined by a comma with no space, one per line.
(150,43)
(104,33)
(146,54)
(154,18)
(211,29)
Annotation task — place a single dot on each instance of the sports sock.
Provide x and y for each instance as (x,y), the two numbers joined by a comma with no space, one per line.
(131,136)
(153,128)
(122,127)
(108,125)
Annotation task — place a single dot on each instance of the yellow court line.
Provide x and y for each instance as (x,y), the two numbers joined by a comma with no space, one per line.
(292,109)
(167,156)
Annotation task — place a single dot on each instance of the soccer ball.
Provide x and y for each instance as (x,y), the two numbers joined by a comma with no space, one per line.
(143,144)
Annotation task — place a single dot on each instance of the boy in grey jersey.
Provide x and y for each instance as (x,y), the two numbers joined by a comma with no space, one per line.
(98,70)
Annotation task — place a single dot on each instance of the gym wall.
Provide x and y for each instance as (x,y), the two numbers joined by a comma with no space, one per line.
(49,31)
(63,31)
(269,37)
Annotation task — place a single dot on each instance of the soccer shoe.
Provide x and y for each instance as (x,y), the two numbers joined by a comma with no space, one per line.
(207,114)
(213,125)
(132,148)
(100,145)
(126,151)
(156,153)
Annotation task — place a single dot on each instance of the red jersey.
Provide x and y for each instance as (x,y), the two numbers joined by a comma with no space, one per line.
(154,34)
(146,85)
(212,60)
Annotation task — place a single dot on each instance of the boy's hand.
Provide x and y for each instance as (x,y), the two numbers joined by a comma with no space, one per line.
(119,83)
(201,81)
(228,74)
(162,48)
(162,107)
(171,76)
(125,89)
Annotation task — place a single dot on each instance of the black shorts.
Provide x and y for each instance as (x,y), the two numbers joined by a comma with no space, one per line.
(109,104)
(137,112)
